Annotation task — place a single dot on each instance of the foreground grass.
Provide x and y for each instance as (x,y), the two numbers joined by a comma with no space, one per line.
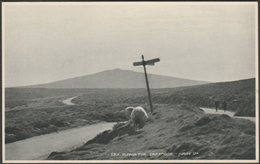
(176,132)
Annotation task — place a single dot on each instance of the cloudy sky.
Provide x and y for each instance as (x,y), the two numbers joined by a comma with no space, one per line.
(45,42)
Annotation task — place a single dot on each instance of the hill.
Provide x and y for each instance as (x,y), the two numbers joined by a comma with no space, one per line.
(239,95)
(118,78)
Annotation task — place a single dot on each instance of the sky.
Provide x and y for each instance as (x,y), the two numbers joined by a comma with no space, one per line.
(46,42)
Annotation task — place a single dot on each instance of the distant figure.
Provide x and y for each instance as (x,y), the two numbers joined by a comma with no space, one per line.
(224,105)
(138,116)
(216,105)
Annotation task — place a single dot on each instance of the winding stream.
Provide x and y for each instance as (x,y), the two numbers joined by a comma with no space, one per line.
(68,101)
(39,147)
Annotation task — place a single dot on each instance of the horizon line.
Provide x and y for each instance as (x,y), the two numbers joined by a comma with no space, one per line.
(26,85)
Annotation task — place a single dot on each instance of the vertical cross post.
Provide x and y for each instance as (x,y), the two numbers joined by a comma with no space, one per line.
(147,85)
(144,63)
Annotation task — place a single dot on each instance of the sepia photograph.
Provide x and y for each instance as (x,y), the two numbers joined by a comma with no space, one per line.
(125,82)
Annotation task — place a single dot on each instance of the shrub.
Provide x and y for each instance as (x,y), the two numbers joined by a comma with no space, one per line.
(203,121)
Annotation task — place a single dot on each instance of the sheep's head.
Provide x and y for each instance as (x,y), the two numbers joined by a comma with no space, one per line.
(129,110)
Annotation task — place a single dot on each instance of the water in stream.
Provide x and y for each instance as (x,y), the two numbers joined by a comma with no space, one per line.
(68,101)
(39,147)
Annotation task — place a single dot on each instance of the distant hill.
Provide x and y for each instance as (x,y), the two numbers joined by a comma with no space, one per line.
(118,78)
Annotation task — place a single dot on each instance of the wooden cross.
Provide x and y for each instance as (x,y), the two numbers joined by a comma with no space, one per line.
(144,63)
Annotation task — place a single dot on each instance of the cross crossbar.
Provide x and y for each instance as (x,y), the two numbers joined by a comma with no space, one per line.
(148,62)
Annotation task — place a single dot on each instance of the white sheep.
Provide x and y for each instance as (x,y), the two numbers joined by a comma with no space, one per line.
(138,116)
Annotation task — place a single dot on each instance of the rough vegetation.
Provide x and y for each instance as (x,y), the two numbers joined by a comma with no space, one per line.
(173,132)
(23,124)
(239,95)
(32,120)
(36,111)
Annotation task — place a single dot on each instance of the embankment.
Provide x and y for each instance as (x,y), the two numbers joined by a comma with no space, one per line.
(175,132)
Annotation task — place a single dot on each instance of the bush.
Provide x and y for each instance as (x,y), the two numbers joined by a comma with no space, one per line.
(11,130)
(203,121)
(22,135)
(58,123)
(41,124)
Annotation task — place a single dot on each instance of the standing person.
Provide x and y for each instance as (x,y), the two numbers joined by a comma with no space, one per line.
(224,105)
(216,105)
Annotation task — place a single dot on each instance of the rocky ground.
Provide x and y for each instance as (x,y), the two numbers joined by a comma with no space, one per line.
(174,132)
